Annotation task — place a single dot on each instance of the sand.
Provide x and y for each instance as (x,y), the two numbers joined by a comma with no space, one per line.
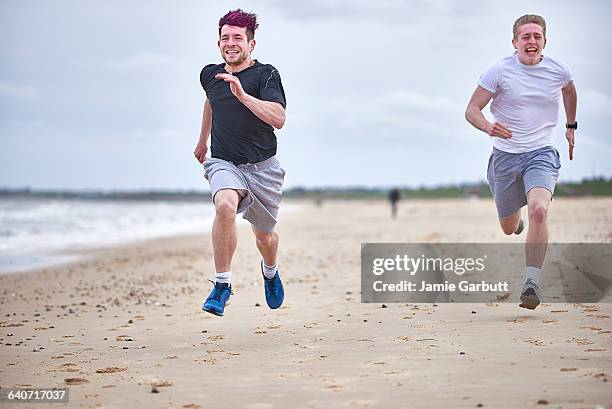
(123,327)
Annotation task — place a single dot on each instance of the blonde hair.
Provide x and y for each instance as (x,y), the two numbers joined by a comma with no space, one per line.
(527,19)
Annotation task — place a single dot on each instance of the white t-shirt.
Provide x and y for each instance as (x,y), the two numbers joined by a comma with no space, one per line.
(526,99)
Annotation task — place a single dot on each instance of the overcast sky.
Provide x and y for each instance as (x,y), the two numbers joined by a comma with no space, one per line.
(106,94)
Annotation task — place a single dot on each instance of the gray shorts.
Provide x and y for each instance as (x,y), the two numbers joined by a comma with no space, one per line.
(512,175)
(261,185)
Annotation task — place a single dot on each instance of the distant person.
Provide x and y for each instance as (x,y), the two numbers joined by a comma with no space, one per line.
(245,102)
(526,89)
(394,197)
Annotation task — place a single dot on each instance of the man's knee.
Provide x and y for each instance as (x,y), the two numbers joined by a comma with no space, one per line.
(264,239)
(226,204)
(538,201)
(538,212)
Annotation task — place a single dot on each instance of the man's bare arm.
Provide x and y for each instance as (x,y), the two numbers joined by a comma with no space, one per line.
(271,113)
(473,114)
(570,102)
(202,146)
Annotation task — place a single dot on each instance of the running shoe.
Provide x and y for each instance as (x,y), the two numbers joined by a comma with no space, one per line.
(218,299)
(530,297)
(275,293)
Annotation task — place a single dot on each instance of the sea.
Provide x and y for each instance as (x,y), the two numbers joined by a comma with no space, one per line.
(38,232)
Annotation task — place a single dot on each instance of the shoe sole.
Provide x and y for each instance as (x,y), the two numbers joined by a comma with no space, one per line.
(213,312)
(529,302)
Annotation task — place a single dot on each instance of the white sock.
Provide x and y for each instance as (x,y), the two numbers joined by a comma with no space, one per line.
(225,277)
(533,273)
(269,272)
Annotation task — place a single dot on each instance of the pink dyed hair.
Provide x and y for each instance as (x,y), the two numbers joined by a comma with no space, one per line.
(239,18)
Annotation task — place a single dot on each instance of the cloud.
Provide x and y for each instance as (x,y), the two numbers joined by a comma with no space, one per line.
(411,101)
(366,82)
(381,11)
(595,103)
(164,134)
(142,61)
(16,91)
(390,115)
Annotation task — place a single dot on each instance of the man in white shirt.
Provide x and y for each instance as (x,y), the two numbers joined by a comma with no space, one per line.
(526,89)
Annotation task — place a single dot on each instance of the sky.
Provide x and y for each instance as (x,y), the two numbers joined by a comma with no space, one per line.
(106,95)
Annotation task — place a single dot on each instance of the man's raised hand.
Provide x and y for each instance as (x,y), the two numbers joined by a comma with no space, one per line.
(235,85)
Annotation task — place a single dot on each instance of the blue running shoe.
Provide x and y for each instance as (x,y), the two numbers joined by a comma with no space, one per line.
(218,298)
(275,293)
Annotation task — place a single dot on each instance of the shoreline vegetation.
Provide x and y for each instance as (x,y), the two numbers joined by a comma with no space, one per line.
(587,187)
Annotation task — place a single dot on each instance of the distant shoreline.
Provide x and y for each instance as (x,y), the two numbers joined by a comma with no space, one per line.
(587,187)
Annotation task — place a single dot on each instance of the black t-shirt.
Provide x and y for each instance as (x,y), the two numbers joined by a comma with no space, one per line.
(237,134)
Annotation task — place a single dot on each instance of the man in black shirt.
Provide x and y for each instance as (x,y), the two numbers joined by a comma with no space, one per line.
(245,102)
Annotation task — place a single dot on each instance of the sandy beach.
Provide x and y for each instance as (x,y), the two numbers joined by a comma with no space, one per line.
(123,327)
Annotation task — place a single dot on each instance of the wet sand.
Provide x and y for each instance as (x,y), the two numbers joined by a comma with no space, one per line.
(123,327)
